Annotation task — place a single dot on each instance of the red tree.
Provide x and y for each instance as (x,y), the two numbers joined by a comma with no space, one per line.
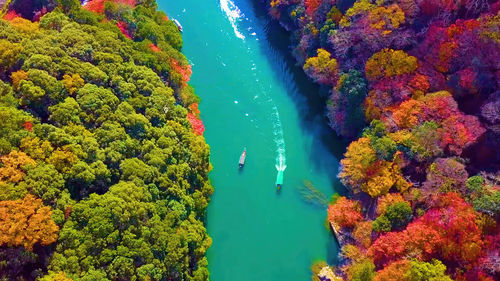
(448,232)
(312,6)
(184,70)
(345,212)
(11,15)
(97,6)
(124,29)
(154,48)
(196,123)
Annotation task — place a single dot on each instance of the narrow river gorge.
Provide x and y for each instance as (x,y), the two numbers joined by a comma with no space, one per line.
(254,96)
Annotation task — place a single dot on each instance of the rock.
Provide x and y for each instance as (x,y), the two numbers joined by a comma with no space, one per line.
(327,274)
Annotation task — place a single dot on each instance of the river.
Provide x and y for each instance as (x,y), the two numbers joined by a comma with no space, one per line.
(254,96)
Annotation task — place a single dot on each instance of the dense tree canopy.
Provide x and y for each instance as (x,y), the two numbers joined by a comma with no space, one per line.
(424,75)
(103,172)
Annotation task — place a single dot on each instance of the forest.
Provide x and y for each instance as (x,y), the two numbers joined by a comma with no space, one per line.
(414,84)
(104,167)
(103,163)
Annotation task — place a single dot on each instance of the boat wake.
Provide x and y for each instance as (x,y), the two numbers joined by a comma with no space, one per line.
(234,14)
(279,140)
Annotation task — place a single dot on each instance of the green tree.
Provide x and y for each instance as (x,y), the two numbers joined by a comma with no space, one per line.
(382,224)
(55,20)
(45,182)
(66,112)
(395,217)
(399,214)
(362,271)
(9,55)
(11,127)
(96,102)
(136,169)
(425,271)
(30,93)
(38,61)
(385,147)
(475,184)
(68,5)
(488,203)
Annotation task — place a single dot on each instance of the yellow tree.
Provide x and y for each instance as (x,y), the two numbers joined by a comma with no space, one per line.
(388,63)
(25,26)
(322,68)
(17,77)
(36,148)
(380,179)
(362,170)
(358,158)
(55,276)
(360,7)
(14,166)
(26,222)
(9,54)
(388,174)
(386,18)
(62,159)
(362,233)
(72,83)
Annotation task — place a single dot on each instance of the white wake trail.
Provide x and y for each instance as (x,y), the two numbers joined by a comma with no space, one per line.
(279,140)
(234,14)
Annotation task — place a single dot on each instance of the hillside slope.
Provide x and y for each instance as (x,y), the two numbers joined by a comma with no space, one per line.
(103,166)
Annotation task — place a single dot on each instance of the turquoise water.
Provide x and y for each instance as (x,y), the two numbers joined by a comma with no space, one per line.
(254,97)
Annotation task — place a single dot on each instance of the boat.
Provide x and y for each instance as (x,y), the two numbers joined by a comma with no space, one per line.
(279,177)
(179,26)
(242,157)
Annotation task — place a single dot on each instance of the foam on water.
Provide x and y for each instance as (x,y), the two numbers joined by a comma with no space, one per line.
(234,15)
(279,140)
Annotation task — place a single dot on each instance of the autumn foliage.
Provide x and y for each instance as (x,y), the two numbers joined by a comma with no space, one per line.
(103,169)
(322,68)
(124,29)
(154,48)
(312,6)
(362,169)
(448,231)
(196,123)
(389,63)
(25,223)
(10,15)
(97,6)
(184,70)
(421,77)
(345,212)
(14,166)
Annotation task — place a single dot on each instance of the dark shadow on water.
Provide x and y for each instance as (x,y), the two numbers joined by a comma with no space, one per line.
(332,254)
(327,147)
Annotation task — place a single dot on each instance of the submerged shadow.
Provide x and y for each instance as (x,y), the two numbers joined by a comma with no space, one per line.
(327,147)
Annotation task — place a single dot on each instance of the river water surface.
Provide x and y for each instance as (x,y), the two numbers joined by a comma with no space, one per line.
(254,97)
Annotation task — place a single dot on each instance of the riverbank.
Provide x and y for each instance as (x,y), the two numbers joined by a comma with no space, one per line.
(103,166)
(431,127)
